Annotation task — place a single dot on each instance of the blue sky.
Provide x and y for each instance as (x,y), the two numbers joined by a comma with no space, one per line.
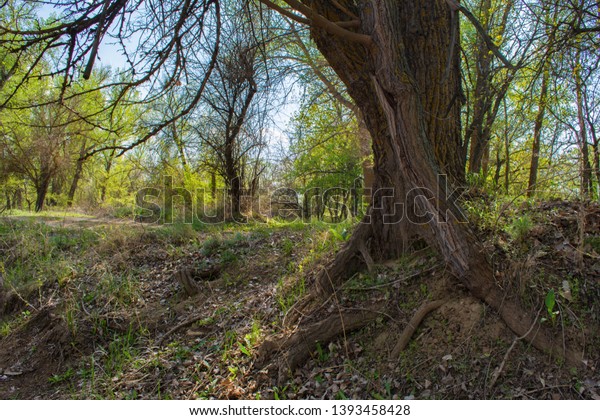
(109,54)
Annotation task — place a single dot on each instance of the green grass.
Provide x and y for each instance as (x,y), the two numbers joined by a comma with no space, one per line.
(90,270)
(46,214)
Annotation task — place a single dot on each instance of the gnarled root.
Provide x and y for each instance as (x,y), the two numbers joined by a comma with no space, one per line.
(346,263)
(296,348)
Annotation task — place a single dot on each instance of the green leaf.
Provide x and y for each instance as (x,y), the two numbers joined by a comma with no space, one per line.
(245,350)
(550,301)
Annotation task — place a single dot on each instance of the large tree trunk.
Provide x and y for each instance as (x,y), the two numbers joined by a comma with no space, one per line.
(407,89)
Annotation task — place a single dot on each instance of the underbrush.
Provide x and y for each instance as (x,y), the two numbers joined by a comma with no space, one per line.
(130,331)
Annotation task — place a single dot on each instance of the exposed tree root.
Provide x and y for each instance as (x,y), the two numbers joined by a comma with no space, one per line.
(298,346)
(500,368)
(176,328)
(346,262)
(520,322)
(2,295)
(186,280)
(412,326)
(476,274)
(188,277)
(362,247)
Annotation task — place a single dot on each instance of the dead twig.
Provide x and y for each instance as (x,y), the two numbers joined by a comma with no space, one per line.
(499,369)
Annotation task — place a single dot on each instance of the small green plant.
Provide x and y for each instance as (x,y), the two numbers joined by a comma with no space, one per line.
(287,296)
(340,395)
(228,257)
(121,351)
(228,343)
(550,303)
(211,246)
(58,378)
(341,235)
(279,393)
(520,228)
(593,242)
(322,355)
(180,232)
(7,327)
(287,247)
(236,240)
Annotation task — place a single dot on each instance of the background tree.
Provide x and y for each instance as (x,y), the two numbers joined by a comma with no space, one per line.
(326,160)
(230,121)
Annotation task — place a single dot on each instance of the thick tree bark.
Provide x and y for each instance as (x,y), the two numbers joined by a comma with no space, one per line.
(407,90)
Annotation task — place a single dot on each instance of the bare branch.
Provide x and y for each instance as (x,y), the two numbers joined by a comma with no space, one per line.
(454,5)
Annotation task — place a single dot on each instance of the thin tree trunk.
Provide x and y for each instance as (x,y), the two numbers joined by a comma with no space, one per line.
(506,150)
(107,168)
(585,166)
(180,147)
(213,185)
(41,191)
(595,148)
(77,174)
(537,134)
(482,102)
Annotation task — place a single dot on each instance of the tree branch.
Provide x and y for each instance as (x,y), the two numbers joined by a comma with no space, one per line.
(482,32)
(317,20)
(285,12)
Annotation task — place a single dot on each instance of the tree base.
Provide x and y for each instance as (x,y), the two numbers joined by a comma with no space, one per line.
(283,354)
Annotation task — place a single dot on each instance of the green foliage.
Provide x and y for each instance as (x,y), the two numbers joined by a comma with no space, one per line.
(63,377)
(228,257)
(326,155)
(211,246)
(520,228)
(288,295)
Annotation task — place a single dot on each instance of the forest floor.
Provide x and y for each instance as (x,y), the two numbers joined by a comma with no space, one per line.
(90,306)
